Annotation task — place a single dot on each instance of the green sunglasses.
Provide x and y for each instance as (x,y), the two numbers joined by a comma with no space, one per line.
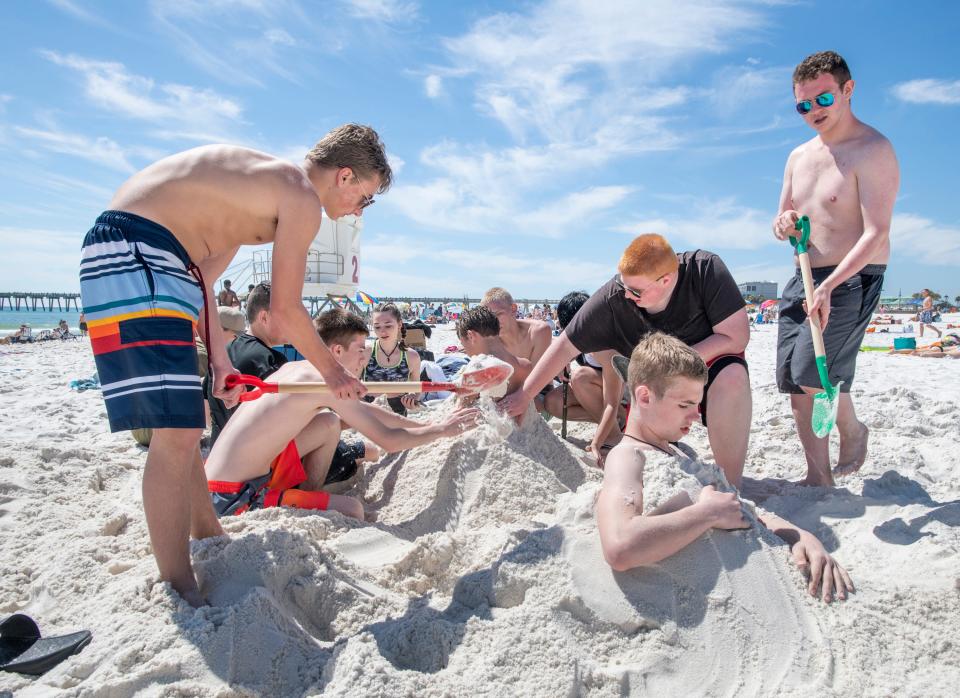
(824,100)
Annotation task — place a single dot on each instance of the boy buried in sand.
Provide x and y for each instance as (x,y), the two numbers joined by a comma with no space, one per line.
(845,179)
(142,282)
(277,450)
(648,507)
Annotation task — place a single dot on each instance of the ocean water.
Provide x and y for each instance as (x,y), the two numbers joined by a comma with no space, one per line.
(11,320)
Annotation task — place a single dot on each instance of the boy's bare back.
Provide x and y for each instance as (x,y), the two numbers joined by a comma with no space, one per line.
(216,198)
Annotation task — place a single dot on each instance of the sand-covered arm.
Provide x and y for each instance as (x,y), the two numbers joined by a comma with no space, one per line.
(825,574)
(631,539)
(369,420)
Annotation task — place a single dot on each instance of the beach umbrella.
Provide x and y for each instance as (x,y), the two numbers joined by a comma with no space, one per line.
(824,404)
(366,298)
(767,303)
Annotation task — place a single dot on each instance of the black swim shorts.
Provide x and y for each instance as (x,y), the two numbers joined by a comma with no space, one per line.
(852,305)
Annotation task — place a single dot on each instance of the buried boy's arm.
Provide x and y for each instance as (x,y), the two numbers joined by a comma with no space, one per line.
(368,420)
(824,573)
(630,538)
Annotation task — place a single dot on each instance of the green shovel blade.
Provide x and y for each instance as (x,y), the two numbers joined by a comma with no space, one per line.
(825,404)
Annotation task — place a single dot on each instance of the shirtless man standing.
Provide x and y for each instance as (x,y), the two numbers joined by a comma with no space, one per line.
(169,227)
(526,339)
(845,179)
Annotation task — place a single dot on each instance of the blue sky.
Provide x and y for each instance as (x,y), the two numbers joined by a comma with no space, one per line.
(530,140)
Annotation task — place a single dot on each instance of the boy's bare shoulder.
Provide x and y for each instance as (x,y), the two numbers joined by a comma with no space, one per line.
(624,462)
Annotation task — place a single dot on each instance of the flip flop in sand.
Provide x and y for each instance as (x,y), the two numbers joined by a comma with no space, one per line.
(23,650)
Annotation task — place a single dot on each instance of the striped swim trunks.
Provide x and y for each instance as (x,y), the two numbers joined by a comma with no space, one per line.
(142,305)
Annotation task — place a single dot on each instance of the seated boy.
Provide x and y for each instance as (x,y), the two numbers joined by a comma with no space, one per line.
(638,527)
(479,331)
(277,450)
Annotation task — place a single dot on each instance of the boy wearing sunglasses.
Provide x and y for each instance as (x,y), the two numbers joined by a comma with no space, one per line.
(845,179)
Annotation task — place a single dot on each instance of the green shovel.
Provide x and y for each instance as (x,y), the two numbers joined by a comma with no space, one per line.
(824,404)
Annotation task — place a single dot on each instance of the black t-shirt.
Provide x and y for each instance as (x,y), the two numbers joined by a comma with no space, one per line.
(704,296)
(251,356)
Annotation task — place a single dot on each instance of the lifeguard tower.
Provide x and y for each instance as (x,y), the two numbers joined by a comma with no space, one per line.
(332,274)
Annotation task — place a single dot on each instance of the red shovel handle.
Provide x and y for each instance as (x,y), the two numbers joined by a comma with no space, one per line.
(259,387)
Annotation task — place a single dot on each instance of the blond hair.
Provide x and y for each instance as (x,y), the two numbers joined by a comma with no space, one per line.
(648,255)
(497,295)
(658,359)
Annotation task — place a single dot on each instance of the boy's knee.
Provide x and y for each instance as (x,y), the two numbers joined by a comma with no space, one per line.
(176,438)
(732,378)
(328,422)
(582,376)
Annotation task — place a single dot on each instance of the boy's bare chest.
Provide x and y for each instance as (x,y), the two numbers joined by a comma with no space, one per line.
(824,178)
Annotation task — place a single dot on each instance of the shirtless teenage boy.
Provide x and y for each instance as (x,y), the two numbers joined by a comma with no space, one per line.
(666,380)
(478,330)
(145,278)
(279,442)
(845,179)
(525,339)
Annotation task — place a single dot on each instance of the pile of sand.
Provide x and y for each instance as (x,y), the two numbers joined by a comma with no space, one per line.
(481,575)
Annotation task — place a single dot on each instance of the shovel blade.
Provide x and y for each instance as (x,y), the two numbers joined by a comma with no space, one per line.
(824,415)
(484,374)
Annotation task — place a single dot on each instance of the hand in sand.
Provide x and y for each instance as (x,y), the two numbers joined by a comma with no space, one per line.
(784,225)
(462,420)
(599,452)
(230,397)
(722,508)
(824,573)
(515,404)
(343,384)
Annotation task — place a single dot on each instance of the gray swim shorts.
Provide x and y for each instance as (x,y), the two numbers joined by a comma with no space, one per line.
(852,305)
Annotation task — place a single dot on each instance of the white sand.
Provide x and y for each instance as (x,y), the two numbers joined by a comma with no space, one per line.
(483,575)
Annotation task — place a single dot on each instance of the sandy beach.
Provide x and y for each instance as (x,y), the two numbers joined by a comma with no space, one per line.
(482,574)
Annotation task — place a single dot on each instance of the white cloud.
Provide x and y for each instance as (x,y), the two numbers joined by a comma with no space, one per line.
(433,86)
(456,271)
(714,225)
(180,110)
(76,10)
(576,85)
(396,163)
(392,11)
(737,87)
(102,150)
(568,64)
(239,41)
(280,37)
(928,91)
(925,240)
